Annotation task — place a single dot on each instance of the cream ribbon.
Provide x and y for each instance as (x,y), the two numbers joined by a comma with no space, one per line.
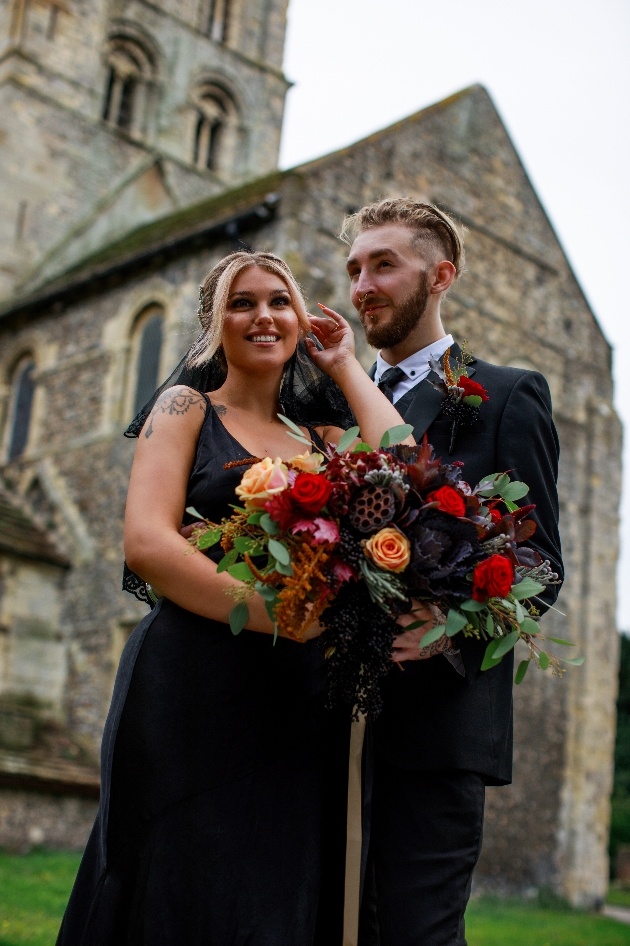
(354,835)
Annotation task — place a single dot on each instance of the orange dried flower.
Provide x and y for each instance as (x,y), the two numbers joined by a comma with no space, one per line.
(305,593)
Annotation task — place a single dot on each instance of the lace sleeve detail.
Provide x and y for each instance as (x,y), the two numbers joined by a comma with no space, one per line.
(137,587)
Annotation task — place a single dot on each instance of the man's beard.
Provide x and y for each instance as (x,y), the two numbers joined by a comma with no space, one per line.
(405,317)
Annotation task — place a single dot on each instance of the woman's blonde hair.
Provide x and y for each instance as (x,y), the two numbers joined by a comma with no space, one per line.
(215,290)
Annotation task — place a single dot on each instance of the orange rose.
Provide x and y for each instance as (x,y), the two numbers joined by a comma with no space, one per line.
(262,481)
(308,462)
(389,549)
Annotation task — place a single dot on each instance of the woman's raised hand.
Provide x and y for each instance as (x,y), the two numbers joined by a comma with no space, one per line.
(337,338)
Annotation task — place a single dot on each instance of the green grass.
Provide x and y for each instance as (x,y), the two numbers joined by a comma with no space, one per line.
(34,890)
(513,923)
(618,896)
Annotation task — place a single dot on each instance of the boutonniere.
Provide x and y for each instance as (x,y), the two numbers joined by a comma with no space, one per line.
(463,397)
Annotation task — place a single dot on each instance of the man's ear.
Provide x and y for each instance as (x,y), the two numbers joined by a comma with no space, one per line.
(442,276)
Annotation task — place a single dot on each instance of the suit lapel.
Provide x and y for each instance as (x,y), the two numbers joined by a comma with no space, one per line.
(425,406)
(425,401)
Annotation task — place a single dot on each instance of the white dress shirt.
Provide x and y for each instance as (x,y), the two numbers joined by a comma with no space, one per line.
(416,366)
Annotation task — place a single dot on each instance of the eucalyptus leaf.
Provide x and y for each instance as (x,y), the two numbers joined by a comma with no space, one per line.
(279,551)
(526,588)
(543,660)
(227,561)
(284,569)
(242,543)
(574,661)
(490,625)
(454,622)
(268,524)
(505,645)
(208,539)
(473,399)
(521,614)
(472,605)
(561,640)
(238,617)
(194,512)
(488,657)
(529,626)
(414,625)
(254,518)
(521,671)
(362,448)
(241,571)
(291,425)
(514,490)
(501,480)
(268,592)
(301,438)
(433,635)
(347,438)
(486,485)
(396,434)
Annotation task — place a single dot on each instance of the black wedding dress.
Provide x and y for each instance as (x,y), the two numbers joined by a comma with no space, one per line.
(209,830)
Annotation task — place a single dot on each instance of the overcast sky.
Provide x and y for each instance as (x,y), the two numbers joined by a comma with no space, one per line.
(558,72)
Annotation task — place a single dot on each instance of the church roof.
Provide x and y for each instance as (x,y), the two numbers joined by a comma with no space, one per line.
(20,535)
(227,216)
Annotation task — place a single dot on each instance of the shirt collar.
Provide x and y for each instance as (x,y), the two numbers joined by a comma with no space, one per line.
(416,366)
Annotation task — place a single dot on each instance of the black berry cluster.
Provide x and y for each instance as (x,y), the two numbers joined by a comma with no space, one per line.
(358,638)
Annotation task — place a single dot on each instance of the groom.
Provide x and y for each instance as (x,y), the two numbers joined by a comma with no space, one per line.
(446,728)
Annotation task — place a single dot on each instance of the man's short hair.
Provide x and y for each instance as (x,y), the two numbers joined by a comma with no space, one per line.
(431,226)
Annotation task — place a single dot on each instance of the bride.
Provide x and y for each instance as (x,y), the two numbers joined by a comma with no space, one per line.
(210,829)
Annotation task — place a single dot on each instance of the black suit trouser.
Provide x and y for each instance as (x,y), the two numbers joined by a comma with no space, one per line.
(425,840)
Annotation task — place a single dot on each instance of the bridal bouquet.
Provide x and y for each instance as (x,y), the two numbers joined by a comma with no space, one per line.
(352,539)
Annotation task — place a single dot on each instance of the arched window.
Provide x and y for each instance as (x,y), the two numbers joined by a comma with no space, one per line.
(129,73)
(218,20)
(22,391)
(215,128)
(149,340)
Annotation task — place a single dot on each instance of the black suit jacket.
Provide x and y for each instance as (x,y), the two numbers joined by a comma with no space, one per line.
(433,718)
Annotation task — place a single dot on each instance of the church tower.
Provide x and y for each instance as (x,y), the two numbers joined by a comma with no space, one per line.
(117,112)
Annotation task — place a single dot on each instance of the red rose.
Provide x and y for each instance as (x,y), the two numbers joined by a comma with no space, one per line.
(472,387)
(495,515)
(493,578)
(448,500)
(282,510)
(311,492)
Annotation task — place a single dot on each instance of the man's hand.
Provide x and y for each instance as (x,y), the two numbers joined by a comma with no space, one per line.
(407,643)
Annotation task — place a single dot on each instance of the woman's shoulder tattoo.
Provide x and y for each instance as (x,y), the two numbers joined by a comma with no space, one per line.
(178,400)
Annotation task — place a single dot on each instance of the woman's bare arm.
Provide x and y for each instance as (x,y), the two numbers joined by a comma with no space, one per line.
(374,413)
(154,547)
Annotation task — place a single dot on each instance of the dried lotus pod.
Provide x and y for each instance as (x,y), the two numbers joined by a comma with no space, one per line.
(372,508)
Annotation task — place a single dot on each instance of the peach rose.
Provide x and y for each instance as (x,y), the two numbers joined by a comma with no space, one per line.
(262,481)
(389,549)
(308,462)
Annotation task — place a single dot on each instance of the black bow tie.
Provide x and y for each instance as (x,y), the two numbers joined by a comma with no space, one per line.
(389,380)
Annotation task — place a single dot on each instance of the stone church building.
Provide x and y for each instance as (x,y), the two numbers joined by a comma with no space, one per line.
(139,143)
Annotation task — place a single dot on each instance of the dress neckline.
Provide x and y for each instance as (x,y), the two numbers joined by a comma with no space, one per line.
(311,432)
